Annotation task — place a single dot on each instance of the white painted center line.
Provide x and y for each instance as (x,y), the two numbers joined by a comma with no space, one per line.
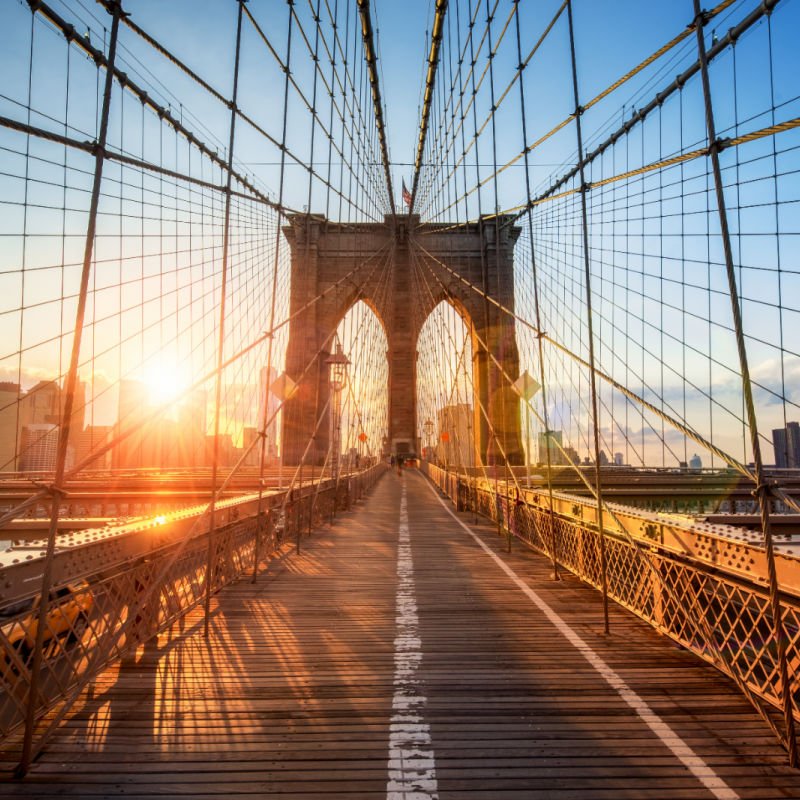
(412,764)
(694,763)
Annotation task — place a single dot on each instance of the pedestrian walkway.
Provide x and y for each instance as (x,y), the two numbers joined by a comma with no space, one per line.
(405,654)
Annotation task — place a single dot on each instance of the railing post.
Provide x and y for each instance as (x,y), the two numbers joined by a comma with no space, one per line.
(763,489)
(115,8)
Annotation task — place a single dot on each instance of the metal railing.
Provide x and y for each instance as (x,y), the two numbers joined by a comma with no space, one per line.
(692,582)
(105,610)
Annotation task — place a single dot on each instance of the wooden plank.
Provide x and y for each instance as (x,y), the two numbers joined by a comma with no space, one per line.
(291,695)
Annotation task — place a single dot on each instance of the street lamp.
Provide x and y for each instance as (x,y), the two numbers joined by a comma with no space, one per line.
(338,363)
(427,429)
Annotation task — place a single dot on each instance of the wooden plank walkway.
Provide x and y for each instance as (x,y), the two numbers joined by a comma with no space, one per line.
(364,668)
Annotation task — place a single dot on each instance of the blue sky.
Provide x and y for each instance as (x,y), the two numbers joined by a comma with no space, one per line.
(659,286)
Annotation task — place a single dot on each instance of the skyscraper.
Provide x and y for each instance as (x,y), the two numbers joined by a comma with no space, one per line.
(454,445)
(549,440)
(38,447)
(41,405)
(9,397)
(132,407)
(780,445)
(266,379)
(786,443)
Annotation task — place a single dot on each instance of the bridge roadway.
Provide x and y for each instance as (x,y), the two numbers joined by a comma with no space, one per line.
(405,654)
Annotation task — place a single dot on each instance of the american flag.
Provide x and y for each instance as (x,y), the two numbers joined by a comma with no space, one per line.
(406,195)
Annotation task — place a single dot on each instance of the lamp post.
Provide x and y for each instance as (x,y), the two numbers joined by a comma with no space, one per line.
(427,429)
(338,363)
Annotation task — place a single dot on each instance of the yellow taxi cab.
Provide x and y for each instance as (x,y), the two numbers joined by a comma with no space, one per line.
(66,620)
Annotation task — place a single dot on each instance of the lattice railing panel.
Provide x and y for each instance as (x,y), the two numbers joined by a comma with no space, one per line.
(717,615)
(95,620)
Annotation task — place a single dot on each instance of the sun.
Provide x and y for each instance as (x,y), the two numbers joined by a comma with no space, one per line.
(166,383)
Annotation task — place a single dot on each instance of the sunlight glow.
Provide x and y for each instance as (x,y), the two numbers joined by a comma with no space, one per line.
(166,382)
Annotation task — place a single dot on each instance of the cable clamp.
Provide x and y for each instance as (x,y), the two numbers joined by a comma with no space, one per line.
(717,146)
(701,19)
(585,187)
(114,6)
(540,334)
(579,111)
(765,489)
(51,488)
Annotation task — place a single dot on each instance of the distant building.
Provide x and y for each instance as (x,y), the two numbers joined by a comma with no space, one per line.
(38,447)
(41,405)
(455,446)
(9,411)
(780,445)
(250,440)
(550,440)
(267,378)
(603,458)
(695,462)
(786,443)
(618,459)
(226,450)
(192,426)
(89,441)
(132,407)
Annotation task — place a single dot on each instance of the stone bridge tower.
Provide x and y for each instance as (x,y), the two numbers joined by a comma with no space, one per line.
(324,252)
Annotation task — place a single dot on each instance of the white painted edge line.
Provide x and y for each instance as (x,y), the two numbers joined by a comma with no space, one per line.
(412,764)
(661,729)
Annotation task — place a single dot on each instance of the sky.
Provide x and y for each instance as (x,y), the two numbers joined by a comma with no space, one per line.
(156,285)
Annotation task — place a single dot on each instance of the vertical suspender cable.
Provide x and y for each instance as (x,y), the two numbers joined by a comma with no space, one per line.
(536,307)
(56,491)
(221,337)
(763,490)
(588,280)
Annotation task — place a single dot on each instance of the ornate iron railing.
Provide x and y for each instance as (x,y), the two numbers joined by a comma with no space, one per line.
(703,586)
(96,616)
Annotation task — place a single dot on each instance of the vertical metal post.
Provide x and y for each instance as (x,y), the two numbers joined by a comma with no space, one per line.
(539,331)
(590,324)
(276,261)
(221,339)
(762,491)
(69,400)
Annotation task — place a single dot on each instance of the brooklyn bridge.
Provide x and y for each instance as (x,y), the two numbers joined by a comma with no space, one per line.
(399,400)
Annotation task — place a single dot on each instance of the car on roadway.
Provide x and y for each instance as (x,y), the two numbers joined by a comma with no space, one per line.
(65,623)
